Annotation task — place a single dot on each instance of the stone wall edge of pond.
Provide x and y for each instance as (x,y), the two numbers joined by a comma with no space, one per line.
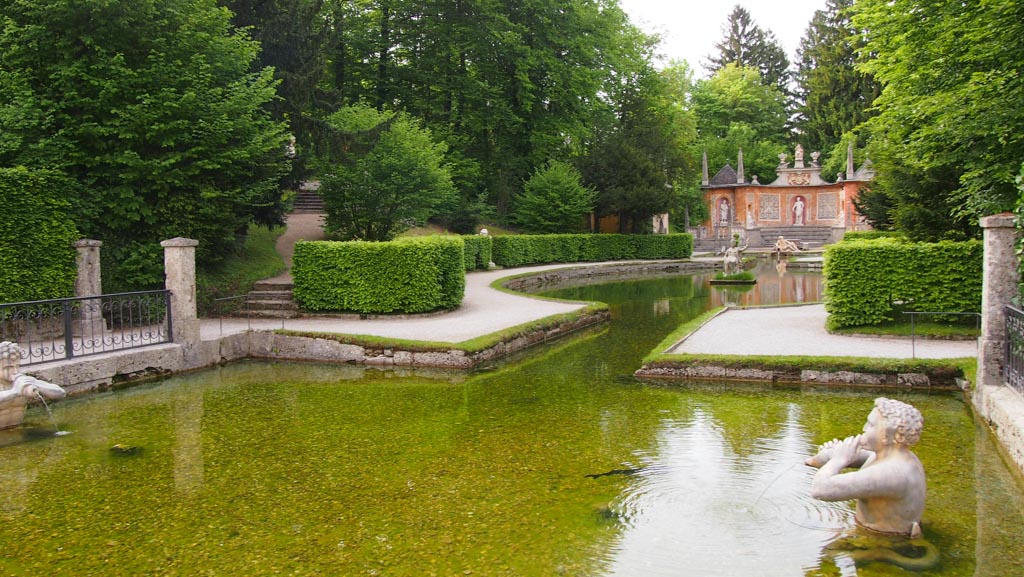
(101,372)
(881,379)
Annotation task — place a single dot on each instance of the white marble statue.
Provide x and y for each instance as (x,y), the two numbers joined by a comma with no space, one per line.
(17,389)
(889,483)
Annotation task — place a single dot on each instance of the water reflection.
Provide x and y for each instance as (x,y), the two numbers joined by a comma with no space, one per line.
(776,283)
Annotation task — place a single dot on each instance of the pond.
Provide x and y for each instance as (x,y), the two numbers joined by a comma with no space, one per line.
(555,463)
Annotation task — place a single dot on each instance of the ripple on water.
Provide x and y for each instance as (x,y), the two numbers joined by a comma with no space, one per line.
(699,496)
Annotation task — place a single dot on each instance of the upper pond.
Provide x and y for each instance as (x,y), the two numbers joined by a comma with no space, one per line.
(555,463)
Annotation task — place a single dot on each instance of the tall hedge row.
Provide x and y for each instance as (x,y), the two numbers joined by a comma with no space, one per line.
(408,275)
(869,282)
(477,251)
(37,257)
(521,250)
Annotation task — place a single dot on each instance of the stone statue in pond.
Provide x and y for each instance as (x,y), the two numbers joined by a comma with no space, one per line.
(17,389)
(889,483)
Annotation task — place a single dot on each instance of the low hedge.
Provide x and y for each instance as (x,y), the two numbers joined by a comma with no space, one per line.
(37,234)
(477,251)
(871,234)
(870,282)
(521,250)
(408,275)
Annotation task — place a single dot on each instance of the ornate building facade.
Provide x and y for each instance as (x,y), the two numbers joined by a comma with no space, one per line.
(797,197)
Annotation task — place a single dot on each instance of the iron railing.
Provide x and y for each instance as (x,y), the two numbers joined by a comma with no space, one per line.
(1013,367)
(57,329)
(913,329)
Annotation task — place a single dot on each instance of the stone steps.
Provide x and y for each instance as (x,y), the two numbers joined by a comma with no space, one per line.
(308,201)
(271,299)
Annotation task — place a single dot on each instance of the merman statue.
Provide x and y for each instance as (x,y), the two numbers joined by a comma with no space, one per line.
(889,484)
(17,389)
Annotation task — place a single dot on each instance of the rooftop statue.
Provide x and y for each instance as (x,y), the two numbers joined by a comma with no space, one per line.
(17,389)
(889,485)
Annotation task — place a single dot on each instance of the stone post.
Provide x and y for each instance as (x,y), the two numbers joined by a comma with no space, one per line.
(180,272)
(999,285)
(88,284)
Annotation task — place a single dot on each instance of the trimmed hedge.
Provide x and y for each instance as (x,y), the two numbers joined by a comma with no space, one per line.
(869,282)
(37,234)
(408,275)
(870,234)
(521,250)
(478,251)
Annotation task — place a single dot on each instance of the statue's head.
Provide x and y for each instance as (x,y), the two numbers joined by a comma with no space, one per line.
(903,423)
(10,362)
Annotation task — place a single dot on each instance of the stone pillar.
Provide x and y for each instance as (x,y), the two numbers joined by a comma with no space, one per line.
(180,272)
(999,285)
(88,284)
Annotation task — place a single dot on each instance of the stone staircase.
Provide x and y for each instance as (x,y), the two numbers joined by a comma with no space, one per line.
(804,236)
(271,299)
(308,200)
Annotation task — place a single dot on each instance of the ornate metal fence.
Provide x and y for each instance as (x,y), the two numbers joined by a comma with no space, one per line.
(58,329)
(1013,370)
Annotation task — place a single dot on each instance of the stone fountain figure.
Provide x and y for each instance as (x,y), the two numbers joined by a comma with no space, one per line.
(17,389)
(889,485)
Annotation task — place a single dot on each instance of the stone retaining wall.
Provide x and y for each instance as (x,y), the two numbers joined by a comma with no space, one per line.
(701,371)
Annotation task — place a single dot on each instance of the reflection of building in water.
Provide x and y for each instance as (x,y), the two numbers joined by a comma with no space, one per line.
(774,288)
(662,307)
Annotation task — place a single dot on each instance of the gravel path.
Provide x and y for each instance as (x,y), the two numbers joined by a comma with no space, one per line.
(800,330)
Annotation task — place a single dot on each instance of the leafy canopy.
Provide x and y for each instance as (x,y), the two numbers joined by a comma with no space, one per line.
(153,108)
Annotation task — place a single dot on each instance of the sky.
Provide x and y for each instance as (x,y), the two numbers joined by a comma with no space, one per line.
(690,28)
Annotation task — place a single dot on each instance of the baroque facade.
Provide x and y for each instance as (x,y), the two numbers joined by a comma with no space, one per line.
(797,197)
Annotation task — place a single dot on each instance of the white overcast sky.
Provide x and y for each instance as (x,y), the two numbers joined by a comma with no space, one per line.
(690,28)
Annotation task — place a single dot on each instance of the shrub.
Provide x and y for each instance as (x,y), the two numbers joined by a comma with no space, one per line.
(871,234)
(521,250)
(477,251)
(37,256)
(408,275)
(870,282)
(554,200)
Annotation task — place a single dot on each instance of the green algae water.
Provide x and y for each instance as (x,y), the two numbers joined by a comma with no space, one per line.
(555,463)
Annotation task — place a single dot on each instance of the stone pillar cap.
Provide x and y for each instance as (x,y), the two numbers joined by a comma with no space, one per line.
(1002,220)
(179,241)
(86,242)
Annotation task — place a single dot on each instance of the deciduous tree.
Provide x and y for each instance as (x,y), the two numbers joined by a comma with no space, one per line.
(153,108)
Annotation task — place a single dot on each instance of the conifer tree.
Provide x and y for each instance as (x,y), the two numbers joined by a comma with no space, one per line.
(748,45)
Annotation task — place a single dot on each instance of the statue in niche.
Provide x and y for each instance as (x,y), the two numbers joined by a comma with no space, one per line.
(723,212)
(798,210)
(889,483)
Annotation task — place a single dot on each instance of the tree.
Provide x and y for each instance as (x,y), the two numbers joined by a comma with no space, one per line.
(734,111)
(634,161)
(152,107)
(949,134)
(509,85)
(398,183)
(745,44)
(833,96)
(554,200)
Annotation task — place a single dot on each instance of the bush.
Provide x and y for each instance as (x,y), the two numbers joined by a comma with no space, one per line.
(871,234)
(554,200)
(408,275)
(37,255)
(477,251)
(521,250)
(870,282)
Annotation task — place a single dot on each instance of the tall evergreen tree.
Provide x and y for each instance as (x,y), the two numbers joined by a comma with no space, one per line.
(747,44)
(833,96)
